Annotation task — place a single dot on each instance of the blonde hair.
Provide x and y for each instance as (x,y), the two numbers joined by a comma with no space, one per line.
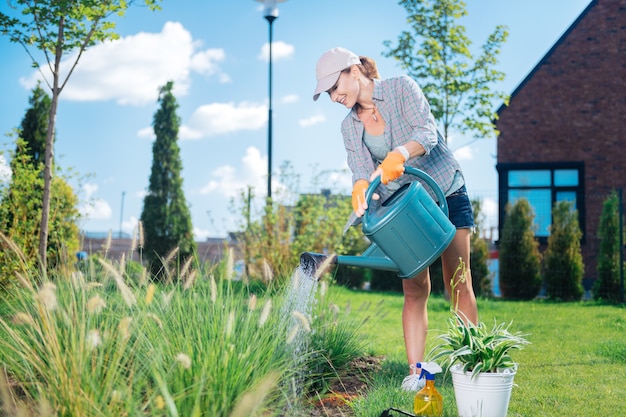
(368,67)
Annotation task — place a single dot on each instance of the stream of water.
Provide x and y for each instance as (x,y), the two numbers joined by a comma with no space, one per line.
(300,297)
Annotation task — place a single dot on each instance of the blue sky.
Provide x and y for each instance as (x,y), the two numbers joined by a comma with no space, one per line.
(216,54)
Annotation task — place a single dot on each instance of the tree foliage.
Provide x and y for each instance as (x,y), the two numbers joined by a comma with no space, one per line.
(165,217)
(607,286)
(564,268)
(20,201)
(519,257)
(58,28)
(438,54)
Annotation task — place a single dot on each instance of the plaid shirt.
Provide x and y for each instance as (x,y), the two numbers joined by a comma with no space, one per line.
(407,116)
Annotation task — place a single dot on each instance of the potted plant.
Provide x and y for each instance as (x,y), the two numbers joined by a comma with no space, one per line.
(478,357)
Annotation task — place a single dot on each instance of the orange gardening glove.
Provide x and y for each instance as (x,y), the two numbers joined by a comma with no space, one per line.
(359,205)
(392,167)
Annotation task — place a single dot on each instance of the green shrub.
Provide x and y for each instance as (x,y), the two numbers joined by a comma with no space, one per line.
(563,259)
(519,257)
(607,286)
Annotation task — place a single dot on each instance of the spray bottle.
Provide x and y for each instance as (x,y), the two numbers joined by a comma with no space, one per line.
(428,401)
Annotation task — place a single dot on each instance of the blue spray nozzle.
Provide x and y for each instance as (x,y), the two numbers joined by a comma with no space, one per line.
(429,369)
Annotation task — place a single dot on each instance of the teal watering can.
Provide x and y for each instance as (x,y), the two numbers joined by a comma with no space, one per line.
(409,231)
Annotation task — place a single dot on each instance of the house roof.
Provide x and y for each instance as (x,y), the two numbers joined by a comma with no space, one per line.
(550,52)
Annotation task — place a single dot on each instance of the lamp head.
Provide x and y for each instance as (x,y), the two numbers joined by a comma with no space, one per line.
(270,11)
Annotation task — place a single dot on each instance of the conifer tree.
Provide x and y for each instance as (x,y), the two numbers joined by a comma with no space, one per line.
(607,286)
(564,266)
(520,260)
(165,216)
(35,125)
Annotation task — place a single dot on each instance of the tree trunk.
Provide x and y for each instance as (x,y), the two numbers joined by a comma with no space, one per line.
(49,153)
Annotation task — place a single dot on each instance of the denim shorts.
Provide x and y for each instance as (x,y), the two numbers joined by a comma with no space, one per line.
(460,209)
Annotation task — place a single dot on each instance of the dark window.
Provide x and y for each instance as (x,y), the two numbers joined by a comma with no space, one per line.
(542,184)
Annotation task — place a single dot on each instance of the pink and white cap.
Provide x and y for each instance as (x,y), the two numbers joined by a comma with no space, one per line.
(329,67)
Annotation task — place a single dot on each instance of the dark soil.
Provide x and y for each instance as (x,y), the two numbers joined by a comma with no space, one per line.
(350,385)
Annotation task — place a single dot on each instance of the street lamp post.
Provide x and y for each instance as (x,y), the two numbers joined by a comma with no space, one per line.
(270,12)
(122,213)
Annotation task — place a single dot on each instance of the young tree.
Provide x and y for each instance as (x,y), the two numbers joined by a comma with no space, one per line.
(607,286)
(520,260)
(165,216)
(564,266)
(438,55)
(57,28)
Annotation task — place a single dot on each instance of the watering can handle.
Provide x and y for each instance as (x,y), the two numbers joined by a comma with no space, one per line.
(442,203)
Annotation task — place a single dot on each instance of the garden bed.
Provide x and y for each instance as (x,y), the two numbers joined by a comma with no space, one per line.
(346,388)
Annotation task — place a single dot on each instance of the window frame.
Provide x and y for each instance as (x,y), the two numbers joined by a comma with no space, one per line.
(503,189)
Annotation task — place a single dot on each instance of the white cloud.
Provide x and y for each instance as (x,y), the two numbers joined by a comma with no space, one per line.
(94,208)
(146,132)
(489,207)
(224,78)
(131,70)
(229,182)
(341,179)
(464,153)
(90,189)
(200,234)
(205,62)
(5,170)
(290,98)
(313,120)
(280,50)
(219,118)
(460,146)
(130,225)
(489,212)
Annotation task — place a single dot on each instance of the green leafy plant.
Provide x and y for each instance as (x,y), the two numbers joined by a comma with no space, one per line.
(476,347)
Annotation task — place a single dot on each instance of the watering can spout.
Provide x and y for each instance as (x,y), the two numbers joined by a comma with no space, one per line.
(317,264)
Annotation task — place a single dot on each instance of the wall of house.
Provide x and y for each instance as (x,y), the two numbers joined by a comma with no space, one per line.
(572,107)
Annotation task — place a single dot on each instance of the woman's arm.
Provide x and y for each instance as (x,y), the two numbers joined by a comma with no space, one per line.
(416,112)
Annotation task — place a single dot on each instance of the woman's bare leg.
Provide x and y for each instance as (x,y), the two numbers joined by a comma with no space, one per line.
(415,315)
(462,296)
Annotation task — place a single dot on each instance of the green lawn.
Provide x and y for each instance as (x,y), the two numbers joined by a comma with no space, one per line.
(575,366)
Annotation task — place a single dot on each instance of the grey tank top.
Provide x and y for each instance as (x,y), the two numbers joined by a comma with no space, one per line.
(379,149)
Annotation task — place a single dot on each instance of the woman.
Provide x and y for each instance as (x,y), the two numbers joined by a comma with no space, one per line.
(390,125)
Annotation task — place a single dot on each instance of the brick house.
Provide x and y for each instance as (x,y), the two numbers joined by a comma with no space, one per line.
(563,134)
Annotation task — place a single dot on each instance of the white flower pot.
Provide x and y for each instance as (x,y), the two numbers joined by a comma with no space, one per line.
(485,395)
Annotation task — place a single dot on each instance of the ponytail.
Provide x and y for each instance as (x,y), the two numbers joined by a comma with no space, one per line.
(368,67)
